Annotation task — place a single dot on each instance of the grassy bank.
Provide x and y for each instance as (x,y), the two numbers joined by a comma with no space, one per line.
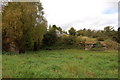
(70,63)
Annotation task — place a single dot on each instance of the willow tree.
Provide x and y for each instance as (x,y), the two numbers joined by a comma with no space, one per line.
(23,24)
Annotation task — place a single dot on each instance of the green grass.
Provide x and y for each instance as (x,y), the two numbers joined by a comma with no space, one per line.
(70,63)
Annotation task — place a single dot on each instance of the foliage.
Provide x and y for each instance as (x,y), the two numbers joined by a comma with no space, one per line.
(100,39)
(101,35)
(72,31)
(64,32)
(80,42)
(22,25)
(111,44)
(98,45)
(69,40)
(25,28)
(80,33)
(50,37)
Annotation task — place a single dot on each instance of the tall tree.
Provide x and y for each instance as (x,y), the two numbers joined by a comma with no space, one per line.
(72,31)
(23,24)
(60,29)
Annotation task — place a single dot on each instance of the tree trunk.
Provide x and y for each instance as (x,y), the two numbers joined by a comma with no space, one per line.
(35,46)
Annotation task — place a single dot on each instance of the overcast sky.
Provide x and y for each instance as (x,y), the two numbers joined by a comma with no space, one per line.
(90,14)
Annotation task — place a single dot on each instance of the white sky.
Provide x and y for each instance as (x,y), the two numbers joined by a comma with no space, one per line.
(90,14)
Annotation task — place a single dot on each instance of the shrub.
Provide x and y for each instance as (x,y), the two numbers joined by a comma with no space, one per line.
(70,40)
(97,47)
(50,38)
(111,44)
(100,39)
(80,42)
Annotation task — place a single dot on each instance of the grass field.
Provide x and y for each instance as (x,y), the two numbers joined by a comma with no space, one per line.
(70,63)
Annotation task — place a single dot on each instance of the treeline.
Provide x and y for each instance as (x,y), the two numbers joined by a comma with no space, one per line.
(107,33)
(79,38)
(24,28)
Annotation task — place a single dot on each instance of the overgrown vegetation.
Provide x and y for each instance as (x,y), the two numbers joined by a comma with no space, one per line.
(71,63)
(25,29)
(80,39)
